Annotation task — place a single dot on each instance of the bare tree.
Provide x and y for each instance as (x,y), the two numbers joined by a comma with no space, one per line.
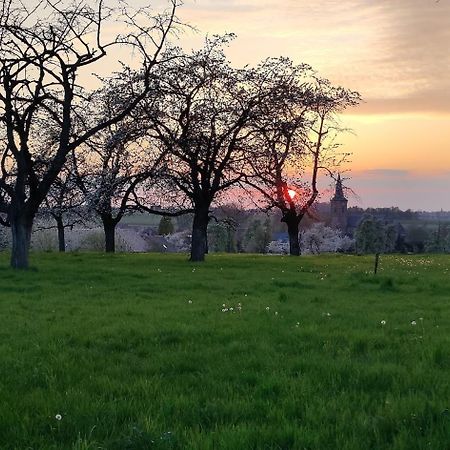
(42,53)
(295,141)
(202,119)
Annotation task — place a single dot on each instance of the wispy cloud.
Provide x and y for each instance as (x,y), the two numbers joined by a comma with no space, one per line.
(394,52)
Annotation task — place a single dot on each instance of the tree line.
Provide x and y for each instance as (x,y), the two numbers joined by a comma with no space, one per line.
(172,134)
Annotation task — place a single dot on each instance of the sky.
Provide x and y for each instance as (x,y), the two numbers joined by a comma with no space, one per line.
(394,52)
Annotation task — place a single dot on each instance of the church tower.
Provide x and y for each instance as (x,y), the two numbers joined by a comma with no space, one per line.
(339,208)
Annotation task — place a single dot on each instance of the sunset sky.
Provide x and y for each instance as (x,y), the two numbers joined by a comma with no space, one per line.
(394,52)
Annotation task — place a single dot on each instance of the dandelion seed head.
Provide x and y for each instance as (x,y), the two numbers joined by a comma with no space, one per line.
(58,417)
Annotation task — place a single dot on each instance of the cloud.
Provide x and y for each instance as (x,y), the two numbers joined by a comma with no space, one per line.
(422,101)
(394,52)
(218,7)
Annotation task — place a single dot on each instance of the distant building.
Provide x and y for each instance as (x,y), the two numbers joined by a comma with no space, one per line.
(338,208)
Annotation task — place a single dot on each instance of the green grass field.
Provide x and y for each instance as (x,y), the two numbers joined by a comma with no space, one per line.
(136,352)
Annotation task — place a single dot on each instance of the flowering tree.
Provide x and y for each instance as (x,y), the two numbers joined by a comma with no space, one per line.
(114,163)
(43,51)
(322,239)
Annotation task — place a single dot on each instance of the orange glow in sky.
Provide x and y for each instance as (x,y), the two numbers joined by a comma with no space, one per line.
(394,53)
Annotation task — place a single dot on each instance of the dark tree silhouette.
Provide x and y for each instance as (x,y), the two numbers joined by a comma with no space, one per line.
(40,66)
(202,120)
(294,140)
(64,204)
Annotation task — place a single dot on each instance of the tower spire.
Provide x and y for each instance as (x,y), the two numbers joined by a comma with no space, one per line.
(339,191)
(338,205)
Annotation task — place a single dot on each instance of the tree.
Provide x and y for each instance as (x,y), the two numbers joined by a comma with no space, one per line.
(64,203)
(416,237)
(258,236)
(116,161)
(322,239)
(373,236)
(370,236)
(4,241)
(391,237)
(165,226)
(202,120)
(217,237)
(439,239)
(295,140)
(40,67)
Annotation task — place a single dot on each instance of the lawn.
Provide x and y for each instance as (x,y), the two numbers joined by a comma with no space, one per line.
(134,352)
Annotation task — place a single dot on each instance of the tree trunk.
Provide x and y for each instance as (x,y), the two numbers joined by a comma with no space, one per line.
(21,226)
(109,227)
(199,242)
(294,242)
(61,234)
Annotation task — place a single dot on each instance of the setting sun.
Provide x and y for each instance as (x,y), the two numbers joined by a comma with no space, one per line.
(291,194)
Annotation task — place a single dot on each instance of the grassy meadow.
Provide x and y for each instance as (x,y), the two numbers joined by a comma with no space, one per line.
(148,351)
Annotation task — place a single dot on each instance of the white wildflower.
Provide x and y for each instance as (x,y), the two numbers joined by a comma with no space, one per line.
(58,417)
